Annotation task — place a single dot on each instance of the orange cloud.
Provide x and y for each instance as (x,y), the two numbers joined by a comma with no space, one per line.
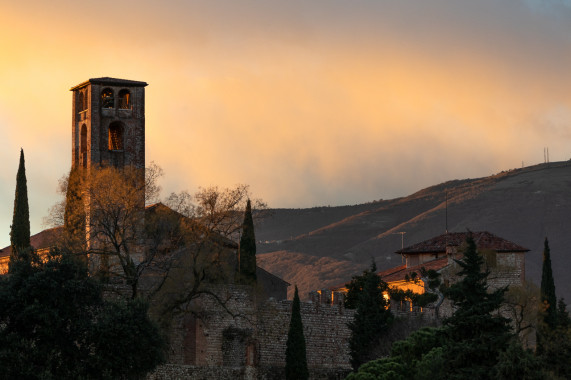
(320,102)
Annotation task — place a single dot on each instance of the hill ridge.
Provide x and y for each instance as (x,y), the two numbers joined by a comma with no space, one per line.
(521,205)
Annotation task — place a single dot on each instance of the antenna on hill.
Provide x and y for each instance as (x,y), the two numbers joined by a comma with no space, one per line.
(446,212)
(401,242)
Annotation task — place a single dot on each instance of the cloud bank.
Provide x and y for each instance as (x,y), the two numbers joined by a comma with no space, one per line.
(311,103)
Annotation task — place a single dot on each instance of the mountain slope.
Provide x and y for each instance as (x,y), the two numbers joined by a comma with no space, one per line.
(522,205)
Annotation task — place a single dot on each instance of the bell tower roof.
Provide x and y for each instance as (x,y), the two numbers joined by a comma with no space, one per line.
(110,82)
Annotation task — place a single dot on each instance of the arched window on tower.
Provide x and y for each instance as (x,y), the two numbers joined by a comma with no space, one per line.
(107,98)
(80,102)
(124,100)
(85,101)
(83,147)
(115,136)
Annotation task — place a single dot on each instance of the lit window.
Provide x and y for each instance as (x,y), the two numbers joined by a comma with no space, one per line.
(115,137)
(107,98)
(124,100)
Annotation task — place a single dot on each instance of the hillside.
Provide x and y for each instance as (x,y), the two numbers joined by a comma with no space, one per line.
(325,246)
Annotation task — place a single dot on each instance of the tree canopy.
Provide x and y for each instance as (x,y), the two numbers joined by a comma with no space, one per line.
(475,333)
(372,317)
(474,343)
(55,324)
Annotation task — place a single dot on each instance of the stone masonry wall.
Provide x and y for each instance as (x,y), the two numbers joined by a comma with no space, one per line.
(250,344)
(325,330)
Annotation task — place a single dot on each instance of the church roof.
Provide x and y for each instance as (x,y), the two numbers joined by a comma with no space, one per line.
(261,273)
(110,82)
(44,239)
(483,240)
(400,273)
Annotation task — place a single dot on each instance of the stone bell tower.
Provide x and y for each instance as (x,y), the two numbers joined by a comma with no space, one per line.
(108,130)
(108,125)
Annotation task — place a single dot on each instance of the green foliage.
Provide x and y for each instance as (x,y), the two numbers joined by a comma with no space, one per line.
(20,229)
(553,333)
(548,297)
(475,342)
(431,365)
(381,369)
(417,344)
(372,317)
(555,344)
(127,342)
(54,324)
(408,295)
(296,359)
(475,333)
(433,281)
(562,314)
(419,356)
(354,289)
(248,248)
(74,213)
(517,363)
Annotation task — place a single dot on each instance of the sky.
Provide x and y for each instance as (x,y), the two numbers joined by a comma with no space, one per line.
(321,102)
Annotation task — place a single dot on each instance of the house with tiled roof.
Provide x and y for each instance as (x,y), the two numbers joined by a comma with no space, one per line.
(505,260)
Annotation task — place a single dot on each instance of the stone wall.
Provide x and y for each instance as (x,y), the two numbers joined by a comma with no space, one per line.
(246,338)
(182,372)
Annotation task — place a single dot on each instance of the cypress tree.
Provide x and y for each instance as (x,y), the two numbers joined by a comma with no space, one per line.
(296,359)
(20,229)
(248,248)
(548,297)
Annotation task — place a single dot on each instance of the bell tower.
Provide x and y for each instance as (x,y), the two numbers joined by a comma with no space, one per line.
(108,125)
(108,130)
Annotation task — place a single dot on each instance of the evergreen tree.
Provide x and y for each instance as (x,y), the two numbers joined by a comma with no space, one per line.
(248,248)
(20,229)
(563,319)
(554,344)
(517,363)
(475,333)
(548,297)
(372,317)
(55,324)
(296,359)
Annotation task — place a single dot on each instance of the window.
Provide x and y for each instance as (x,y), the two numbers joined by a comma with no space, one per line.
(80,102)
(85,101)
(107,98)
(124,100)
(83,146)
(115,136)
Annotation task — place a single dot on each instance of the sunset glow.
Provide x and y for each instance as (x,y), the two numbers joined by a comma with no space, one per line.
(322,102)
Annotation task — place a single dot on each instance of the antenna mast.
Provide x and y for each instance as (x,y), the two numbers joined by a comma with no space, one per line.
(446,211)
(401,243)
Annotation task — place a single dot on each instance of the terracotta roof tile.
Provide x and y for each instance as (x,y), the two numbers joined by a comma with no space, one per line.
(483,240)
(43,239)
(400,275)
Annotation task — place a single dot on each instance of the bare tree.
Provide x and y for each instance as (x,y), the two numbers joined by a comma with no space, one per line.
(167,252)
(522,305)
